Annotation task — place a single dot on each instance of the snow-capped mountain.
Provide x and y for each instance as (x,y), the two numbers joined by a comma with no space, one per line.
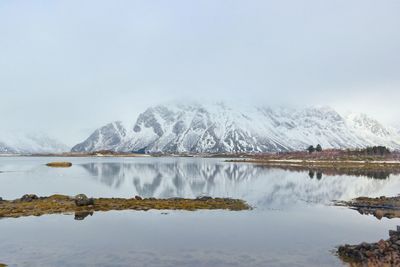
(220,128)
(20,143)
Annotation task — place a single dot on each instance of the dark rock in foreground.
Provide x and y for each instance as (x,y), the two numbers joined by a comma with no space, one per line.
(382,253)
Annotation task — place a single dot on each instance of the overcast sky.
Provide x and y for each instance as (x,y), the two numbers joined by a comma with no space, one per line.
(67,67)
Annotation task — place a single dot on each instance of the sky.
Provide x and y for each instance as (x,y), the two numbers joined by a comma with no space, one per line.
(70,66)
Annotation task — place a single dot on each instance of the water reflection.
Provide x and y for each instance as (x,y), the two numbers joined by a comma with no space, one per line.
(267,187)
(311,174)
(81,215)
(168,179)
(359,172)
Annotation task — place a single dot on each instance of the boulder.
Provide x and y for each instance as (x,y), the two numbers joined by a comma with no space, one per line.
(83,200)
(29,197)
(204,198)
(138,198)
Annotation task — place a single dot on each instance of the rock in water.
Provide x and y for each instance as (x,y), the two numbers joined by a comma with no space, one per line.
(83,200)
(29,197)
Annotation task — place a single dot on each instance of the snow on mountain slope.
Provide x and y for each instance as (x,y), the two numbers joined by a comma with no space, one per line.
(16,142)
(220,128)
(371,130)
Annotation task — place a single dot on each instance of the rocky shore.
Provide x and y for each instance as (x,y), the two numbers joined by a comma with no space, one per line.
(382,253)
(380,207)
(83,206)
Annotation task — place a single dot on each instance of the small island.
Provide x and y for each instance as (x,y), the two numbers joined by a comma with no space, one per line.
(81,205)
(59,164)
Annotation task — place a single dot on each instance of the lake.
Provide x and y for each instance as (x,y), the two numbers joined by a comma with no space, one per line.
(293,222)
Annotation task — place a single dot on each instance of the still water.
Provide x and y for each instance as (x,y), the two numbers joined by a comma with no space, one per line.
(292,224)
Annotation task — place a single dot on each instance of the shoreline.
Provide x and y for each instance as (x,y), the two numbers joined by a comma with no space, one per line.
(328,166)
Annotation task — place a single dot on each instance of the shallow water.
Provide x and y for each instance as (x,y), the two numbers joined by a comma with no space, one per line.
(292,223)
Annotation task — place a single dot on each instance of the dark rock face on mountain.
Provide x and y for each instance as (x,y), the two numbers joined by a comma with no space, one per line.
(218,129)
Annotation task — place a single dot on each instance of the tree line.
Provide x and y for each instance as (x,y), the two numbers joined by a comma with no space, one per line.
(312,149)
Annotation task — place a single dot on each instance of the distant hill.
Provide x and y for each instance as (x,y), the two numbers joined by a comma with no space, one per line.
(20,143)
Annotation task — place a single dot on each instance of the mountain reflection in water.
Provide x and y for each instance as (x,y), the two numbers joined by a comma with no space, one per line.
(261,186)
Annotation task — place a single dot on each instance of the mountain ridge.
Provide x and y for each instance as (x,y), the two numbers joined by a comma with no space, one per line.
(219,128)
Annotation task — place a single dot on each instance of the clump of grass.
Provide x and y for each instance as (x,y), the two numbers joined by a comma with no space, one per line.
(59,164)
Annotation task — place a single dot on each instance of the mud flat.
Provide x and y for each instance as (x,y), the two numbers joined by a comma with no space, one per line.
(380,207)
(381,253)
(32,205)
